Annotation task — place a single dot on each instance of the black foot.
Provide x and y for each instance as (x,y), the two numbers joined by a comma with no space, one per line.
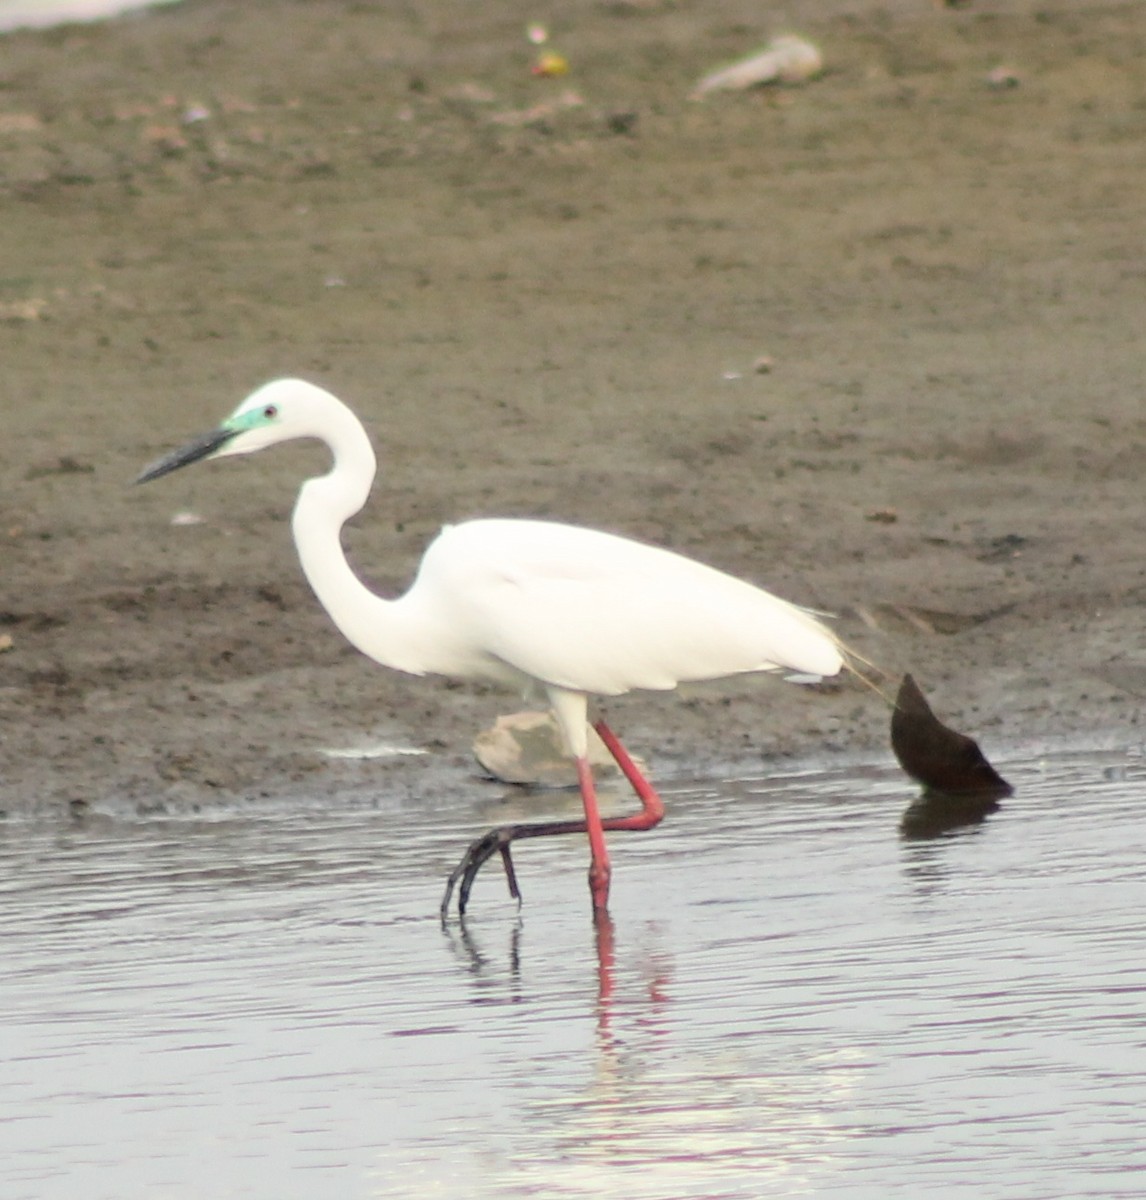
(497,841)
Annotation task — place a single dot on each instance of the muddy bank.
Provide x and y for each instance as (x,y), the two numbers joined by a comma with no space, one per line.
(546,296)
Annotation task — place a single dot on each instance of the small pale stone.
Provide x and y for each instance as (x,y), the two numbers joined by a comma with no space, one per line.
(527,747)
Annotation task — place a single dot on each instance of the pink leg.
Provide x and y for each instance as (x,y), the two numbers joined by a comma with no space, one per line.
(499,840)
(599,868)
(652,810)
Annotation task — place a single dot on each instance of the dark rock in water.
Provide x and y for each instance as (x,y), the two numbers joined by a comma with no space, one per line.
(946,763)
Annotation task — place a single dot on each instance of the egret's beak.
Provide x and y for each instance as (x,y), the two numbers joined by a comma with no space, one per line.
(201,447)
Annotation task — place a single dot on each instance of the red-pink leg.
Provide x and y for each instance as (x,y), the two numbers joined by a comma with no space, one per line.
(599,868)
(498,840)
(652,809)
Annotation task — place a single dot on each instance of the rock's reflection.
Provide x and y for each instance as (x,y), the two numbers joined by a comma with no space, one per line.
(936,813)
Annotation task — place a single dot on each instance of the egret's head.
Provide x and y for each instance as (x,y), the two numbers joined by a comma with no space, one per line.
(276,412)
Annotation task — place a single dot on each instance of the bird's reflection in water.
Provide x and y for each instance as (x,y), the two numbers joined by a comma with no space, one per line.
(500,978)
(605,938)
(487,971)
(651,1103)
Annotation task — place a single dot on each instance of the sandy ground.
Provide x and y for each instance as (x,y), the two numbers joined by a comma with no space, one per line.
(546,296)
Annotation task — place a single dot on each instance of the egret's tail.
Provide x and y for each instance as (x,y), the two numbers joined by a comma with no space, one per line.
(867,672)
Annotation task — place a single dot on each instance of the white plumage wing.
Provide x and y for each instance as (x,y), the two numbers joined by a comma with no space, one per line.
(592,612)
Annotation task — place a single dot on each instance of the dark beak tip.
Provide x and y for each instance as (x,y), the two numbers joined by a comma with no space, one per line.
(198,448)
(154,470)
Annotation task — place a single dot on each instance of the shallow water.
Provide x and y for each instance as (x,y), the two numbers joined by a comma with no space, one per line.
(796,1000)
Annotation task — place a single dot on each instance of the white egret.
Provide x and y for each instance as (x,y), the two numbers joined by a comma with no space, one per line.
(568,611)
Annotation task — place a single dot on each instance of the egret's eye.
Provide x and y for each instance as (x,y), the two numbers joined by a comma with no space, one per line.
(270,412)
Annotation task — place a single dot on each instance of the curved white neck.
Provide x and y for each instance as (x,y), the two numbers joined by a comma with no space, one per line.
(375,626)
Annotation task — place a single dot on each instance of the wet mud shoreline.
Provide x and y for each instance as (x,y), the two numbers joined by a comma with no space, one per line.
(548,297)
